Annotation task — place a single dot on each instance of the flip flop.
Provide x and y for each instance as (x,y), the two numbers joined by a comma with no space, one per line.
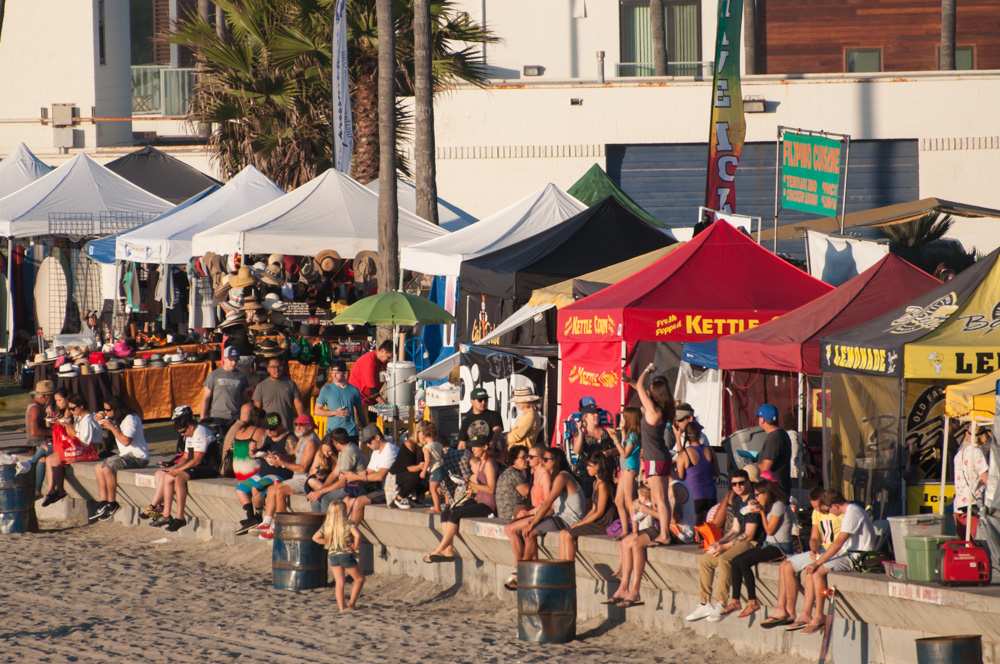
(747,612)
(629,603)
(771,623)
(796,626)
(613,600)
(814,628)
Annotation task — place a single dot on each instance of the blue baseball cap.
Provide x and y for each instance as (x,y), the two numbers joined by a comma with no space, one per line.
(588,403)
(232,353)
(768,412)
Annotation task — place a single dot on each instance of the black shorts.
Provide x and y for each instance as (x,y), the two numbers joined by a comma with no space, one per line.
(467,510)
(201,472)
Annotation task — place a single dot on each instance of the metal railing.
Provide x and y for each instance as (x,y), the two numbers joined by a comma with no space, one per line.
(640,69)
(158,90)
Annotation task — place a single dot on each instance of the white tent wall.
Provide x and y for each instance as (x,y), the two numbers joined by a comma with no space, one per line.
(450,217)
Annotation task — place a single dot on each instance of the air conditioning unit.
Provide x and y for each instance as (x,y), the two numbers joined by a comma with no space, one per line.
(63,114)
(62,137)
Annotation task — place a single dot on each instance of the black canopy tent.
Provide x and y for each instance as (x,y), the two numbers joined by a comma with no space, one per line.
(160,174)
(495,285)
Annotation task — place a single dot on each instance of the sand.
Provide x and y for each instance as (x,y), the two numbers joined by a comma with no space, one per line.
(106,593)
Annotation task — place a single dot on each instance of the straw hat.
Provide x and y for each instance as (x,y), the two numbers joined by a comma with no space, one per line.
(262,329)
(233,319)
(276,259)
(39,358)
(365,266)
(75,353)
(97,368)
(138,363)
(44,387)
(68,371)
(84,369)
(326,260)
(525,395)
(268,348)
(309,274)
(115,366)
(242,279)
(51,353)
(250,303)
(272,276)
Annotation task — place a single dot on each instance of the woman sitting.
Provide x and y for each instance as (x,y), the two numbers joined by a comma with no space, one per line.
(772,507)
(74,439)
(133,452)
(247,438)
(279,497)
(602,507)
(482,486)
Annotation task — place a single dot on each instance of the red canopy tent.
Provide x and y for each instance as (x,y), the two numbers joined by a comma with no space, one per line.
(791,343)
(719,283)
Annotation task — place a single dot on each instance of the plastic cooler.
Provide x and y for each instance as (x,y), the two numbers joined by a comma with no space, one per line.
(924,556)
(915,525)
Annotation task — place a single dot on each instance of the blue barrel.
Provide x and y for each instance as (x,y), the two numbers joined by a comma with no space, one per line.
(967,649)
(546,601)
(297,562)
(17,500)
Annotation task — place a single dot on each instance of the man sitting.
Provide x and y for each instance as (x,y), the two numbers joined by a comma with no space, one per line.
(197,462)
(273,468)
(349,460)
(383,454)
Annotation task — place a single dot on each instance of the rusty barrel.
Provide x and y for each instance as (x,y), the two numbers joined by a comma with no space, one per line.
(546,601)
(17,500)
(297,562)
(965,649)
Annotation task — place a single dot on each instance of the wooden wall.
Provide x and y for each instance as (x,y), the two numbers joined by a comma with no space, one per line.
(811,36)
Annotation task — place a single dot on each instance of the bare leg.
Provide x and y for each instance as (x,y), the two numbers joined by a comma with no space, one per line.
(359,582)
(530,545)
(809,593)
(567,545)
(168,494)
(786,579)
(99,476)
(160,478)
(658,489)
(111,487)
(638,565)
(435,497)
(621,503)
(514,533)
(182,494)
(448,532)
(338,587)
(625,556)
(819,590)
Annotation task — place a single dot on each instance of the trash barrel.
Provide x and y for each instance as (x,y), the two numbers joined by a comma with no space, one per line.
(546,601)
(17,500)
(967,649)
(297,562)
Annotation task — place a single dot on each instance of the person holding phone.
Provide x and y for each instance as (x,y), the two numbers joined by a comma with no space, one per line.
(340,403)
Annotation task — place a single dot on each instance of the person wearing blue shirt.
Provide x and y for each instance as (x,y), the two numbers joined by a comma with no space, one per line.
(340,402)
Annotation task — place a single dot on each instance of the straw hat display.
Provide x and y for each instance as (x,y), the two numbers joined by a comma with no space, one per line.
(272,276)
(68,371)
(233,319)
(242,278)
(138,363)
(326,260)
(268,348)
(250,303)
(273,302)
(276,259)
(525,395)
(365,266)
(262,329)
(39,358)
(309,274)
(115,366)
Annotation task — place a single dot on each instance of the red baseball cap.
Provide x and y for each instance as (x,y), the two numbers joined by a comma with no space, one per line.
(304,421)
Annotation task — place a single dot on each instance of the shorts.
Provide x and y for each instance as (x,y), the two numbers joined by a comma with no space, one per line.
(471,510)
(800,560)
(296,485)
(201,472)
(118,462)
(436,475)
(346,560)
(259,482)
(655,468)
(596,528)
(376,497)
(840,564)
(551,524)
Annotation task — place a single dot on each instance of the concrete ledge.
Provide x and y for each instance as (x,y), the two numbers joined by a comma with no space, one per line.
(877,621)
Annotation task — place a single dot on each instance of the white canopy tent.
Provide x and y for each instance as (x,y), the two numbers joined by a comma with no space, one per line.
(21,167)
(331,211)
(450,217)
(80,190)
(524,219)
(168,239)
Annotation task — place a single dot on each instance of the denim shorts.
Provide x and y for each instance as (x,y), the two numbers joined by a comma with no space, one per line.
(345,560)
(436,475)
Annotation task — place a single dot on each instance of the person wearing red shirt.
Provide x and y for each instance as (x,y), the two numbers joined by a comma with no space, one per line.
(366,373)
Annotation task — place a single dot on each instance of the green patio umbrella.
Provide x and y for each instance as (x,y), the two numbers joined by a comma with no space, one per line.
(393,308)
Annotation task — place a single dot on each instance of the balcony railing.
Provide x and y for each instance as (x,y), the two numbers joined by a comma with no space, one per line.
(160,90)
(639,69)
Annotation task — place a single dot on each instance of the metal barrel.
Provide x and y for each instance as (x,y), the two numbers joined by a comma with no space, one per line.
(297,562)
(965,649)
(17,500)
(546,601)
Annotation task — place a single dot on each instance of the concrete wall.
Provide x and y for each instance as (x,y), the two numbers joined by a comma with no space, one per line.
(113,79)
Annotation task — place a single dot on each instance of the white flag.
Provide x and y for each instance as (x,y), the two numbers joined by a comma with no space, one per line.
(343,130)
(838,259)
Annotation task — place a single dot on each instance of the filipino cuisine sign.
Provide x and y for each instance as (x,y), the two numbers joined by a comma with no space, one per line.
(810,173)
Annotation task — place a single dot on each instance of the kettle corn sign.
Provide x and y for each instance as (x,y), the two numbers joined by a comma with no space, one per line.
(691,324)
(591,326)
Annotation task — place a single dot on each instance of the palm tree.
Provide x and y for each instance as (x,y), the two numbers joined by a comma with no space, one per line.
(928,228)
(657,23)
(388,212)
(948,34)
(425,167)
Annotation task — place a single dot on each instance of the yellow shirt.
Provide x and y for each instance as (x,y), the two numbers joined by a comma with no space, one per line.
(829,526)
(525,428)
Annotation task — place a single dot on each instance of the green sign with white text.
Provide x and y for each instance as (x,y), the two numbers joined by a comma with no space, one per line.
(810,174)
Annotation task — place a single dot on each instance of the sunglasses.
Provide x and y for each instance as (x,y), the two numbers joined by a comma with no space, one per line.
(534,456)
(739,483)
(547,459)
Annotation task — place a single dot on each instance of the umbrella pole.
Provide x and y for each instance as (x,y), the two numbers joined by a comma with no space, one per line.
(944,463)
(395,406)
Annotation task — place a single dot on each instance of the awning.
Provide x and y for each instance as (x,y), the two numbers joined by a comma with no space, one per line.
(976,398)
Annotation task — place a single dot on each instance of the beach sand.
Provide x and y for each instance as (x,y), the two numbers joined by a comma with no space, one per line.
(106,593)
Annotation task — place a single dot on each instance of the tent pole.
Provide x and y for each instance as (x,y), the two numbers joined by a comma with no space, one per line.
(968,511)
(801,420)
(10,292)
(166,297)
(900,447)
(114,302)
(944,463)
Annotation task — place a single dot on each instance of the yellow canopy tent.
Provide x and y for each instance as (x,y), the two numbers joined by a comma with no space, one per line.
(974,400)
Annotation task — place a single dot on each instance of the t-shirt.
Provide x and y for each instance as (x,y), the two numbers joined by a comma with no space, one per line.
(278,447)
(228,393)
(334,397)
(778,449)
(829,526)
(349,459)
(87,429)
(131,426)
(277,396)
(970,463)
(435,450)
(507,497)
(479,425)
(383,458)
(736,506)
(199,441)
(365,377)
(858,525)
(406,458)
(783,535)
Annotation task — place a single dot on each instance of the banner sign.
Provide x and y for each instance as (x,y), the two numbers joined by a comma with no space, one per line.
(590,370)
(343,123)
(839,259)
(810,173)
(499,373)
(590,328)
(728,126)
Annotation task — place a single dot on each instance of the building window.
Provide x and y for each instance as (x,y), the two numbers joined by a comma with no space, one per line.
(683,38)
(141,32)
(965,57)
(102,59)
(863,59)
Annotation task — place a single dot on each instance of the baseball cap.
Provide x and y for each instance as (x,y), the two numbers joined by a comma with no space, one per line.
(272,421)
(683,410)
(339,365)
(768,412)
(481,440)
(479,394)
(303,421)
(587,402)
(231,353)
(369,433)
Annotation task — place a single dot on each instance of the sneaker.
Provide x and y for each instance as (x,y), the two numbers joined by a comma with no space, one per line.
(110,511)
(401,503)
(160,521)
(23,467)
(248,524)
(703,611)
(102,507)
(716,614)
(262,526)
(53,498)
(266,534)
(511,582)
(176,524)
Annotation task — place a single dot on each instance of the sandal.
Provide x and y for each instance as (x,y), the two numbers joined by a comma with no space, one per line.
(749,610)
(813,628)
(731,607)
(150,512)
(771,623)
(796,626)
(629,603)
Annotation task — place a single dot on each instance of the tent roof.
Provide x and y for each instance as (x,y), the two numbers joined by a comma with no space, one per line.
(791,343)
(604,234)
(888,215)
(161,174)
(561,294)
(19,168)
(595,185)
(955,317)
(450,217)
(524,219)
(167,239)
(82,188)
(976,397)
(721,282)
(331,211)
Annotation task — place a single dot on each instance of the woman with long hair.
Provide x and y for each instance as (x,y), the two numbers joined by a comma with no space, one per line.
(695,466)
(602,507)
(656,439)
(772,506)
(248,437)
(628,446)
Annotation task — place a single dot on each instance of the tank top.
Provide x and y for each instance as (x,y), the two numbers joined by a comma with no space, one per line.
(244,465)
(688,515)
(570,507)
(485,497)
(538,492)
(654,446)
(698,477)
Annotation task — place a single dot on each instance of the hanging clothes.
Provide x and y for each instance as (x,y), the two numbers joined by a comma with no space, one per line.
(702,388)
(201,306)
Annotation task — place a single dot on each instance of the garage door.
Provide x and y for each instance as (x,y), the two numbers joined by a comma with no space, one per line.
(668,180)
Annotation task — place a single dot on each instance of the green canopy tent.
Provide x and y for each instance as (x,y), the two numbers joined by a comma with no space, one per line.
(595,186)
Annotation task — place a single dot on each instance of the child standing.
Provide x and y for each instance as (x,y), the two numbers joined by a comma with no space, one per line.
(628,452)
(335,535)
(433,466)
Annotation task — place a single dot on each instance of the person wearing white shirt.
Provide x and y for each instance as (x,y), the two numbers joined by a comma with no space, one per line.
(133,452)
(82,426)
(972,471)
(383,454)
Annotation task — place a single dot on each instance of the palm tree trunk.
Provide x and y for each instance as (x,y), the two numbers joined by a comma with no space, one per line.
(364,100)
(220,22)
(657,23)
(425,167)
(204,128)
(948,34)
(388,212)
(750,35)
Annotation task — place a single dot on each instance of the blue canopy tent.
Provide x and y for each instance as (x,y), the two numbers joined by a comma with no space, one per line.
(702,354)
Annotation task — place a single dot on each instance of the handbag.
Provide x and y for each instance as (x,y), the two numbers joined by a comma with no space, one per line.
(70,448)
